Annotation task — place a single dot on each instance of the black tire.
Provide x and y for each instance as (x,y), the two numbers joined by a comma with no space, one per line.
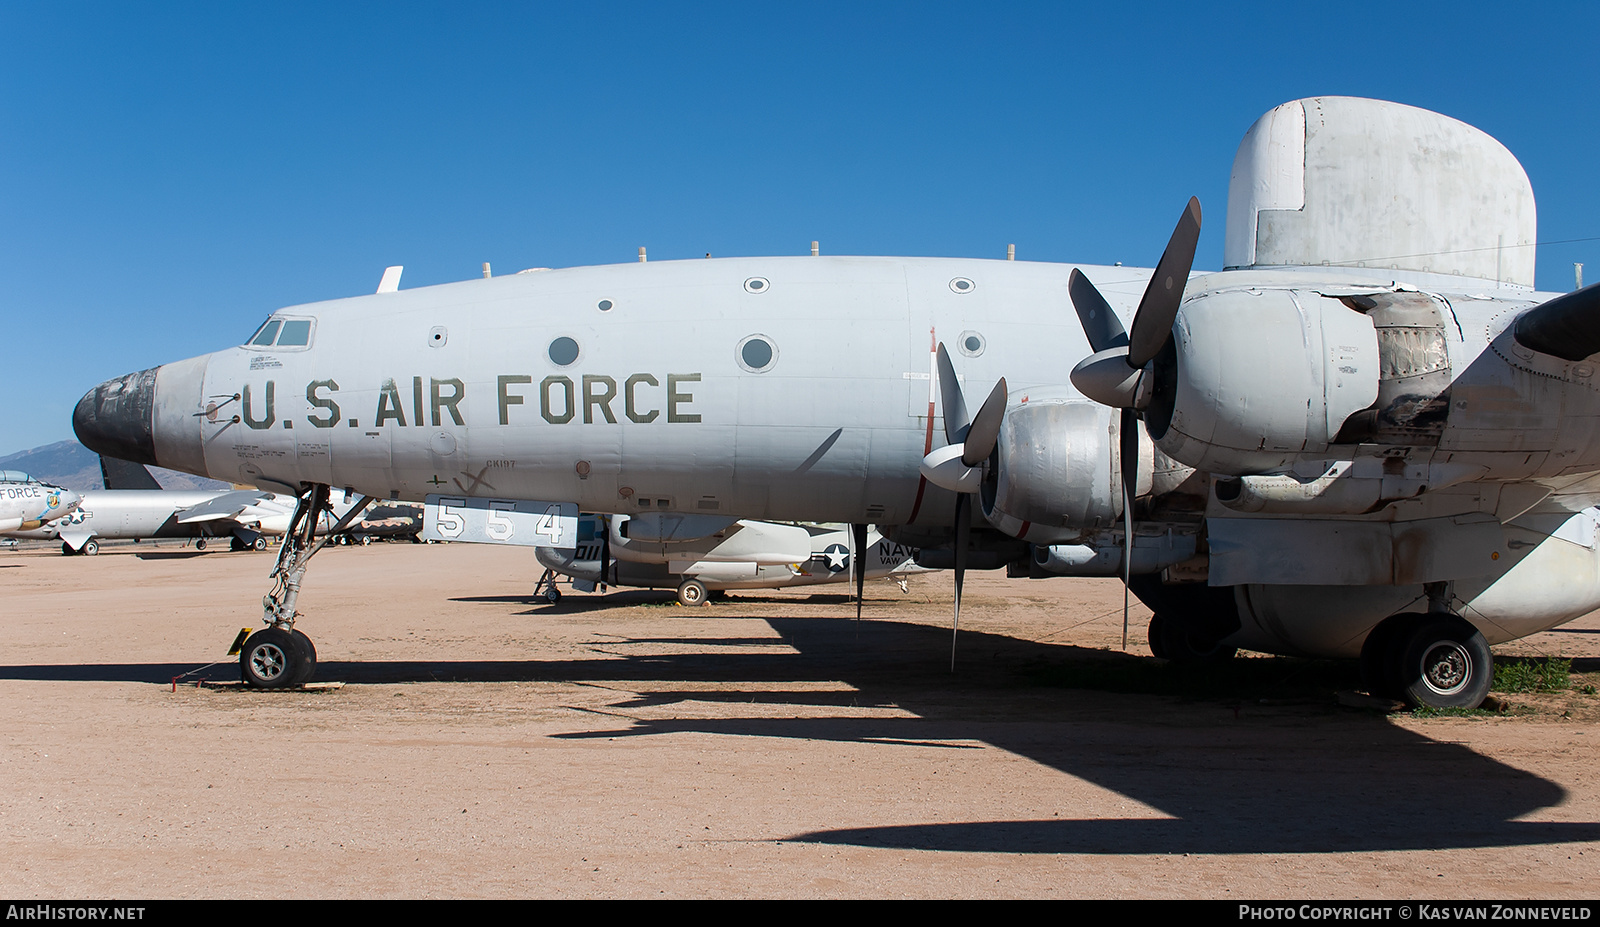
(237,545)
(200,544)
(90,548)
(1379,662)
(271,658)
(308,654)
(1172,641)
(67,551)
(692,593)
(1156,634)
(259,544)
(552,594)
(1444,663)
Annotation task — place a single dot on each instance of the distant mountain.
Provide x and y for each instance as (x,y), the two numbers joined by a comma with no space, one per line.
(72,466)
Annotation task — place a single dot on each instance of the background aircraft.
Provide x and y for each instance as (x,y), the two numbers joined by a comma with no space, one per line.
(28,503)
(624,551)
(134,506)
(1371,436)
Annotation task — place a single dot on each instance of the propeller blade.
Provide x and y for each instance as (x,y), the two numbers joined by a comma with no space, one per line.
(955,408)
(985,430)
(1128,438)
(963,536)
(1099,322)
(1152,324)
(858,539)
(605,551)
(1567,327)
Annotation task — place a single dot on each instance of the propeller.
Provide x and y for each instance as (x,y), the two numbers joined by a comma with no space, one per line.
(1118,373)
(605,550)
(858,559)
(958,466)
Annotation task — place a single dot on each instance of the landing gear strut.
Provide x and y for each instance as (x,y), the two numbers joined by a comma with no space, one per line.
(279,656)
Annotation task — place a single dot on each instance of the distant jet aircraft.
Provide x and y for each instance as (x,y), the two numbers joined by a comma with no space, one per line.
(133,505)
(1366,436)
(27,503)
(624,551)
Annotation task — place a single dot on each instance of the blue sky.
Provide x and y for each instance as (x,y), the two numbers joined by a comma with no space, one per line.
(170,173)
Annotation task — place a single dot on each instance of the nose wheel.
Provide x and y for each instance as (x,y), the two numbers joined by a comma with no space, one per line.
(273,658)
(279,656)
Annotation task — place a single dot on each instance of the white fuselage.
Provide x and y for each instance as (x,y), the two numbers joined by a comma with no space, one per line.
(26,503)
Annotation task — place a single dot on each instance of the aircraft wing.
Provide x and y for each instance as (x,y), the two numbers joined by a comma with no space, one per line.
(227,505)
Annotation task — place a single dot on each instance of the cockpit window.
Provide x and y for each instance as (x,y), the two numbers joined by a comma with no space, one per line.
(15,476)
(267,332)
(283,333)
(296,333)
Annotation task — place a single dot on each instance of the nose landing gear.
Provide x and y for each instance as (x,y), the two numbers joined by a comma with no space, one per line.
(279,656)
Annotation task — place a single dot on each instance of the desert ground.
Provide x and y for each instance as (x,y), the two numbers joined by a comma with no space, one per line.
(487,744)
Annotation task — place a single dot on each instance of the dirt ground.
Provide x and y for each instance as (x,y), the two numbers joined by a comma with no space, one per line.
(488,745)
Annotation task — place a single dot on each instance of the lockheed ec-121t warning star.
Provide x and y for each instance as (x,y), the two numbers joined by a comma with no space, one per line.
(1366,436)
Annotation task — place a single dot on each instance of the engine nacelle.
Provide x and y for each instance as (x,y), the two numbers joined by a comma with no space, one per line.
(1053,474)
(1258,378)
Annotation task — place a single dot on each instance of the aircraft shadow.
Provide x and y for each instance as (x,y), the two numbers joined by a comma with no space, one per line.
(1220,771)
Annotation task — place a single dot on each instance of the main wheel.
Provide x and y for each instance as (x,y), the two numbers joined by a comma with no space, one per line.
(271,658)
(1379,662)
(90,547)
(260,543)
(237,545)
(1157,635)
(66,550)
(1444,663)
(692,593)
(200,544)
(1170,640)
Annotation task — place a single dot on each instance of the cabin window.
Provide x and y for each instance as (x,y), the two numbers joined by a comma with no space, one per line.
(563,351)
(756,354)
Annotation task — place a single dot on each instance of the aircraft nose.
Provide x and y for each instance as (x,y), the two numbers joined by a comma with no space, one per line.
(69,500)
(116,418)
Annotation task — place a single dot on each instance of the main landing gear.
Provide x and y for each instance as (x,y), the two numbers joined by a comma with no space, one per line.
(1433,659)
(692,593)
(279,656)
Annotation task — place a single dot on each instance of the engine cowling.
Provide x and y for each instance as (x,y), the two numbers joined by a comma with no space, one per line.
(1255,379)
(1053,473)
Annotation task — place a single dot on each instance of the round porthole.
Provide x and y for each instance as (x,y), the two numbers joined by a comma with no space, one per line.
(563,351)
(757,285)
(971,343)
(605,305)
(962,285)
(756,354)
(437,336)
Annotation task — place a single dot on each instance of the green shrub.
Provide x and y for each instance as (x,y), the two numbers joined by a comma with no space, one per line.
(1527,675)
